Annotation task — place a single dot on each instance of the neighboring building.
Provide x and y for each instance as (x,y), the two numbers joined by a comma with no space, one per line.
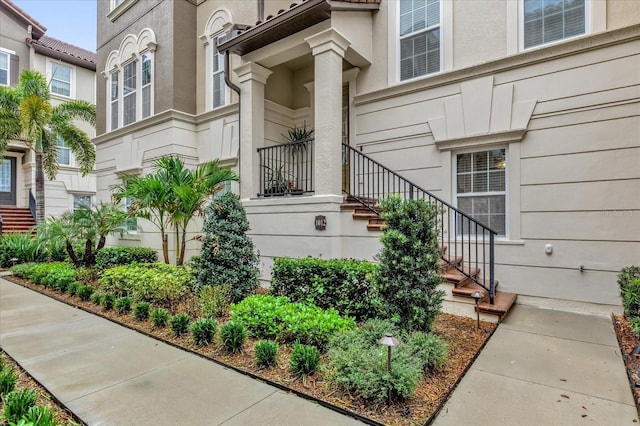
(523,114)
(71,74)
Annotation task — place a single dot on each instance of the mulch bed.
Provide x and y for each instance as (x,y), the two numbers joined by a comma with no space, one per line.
(464,338)
(628,342)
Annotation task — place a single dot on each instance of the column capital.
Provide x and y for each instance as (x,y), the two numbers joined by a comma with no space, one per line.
(253,71)
(329,39)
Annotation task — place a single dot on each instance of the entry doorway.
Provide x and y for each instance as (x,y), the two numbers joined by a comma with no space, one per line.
(8,181)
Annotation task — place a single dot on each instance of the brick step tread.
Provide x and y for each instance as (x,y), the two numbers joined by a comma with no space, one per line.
(375,226)
(469,287)
(368,200)
(503,301)
(456,277)
(27,214)
(366,210)
(365,215)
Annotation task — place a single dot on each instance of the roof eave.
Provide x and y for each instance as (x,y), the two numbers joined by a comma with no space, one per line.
(37,29)
(52,53)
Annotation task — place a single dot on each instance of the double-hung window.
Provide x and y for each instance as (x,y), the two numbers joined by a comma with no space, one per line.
(61,79)
(217,76)
(64,153)
(4,69)
(420,37)
(115,97)
(481,189)
(146,84)
(80,201)
(129,90)
(546,21)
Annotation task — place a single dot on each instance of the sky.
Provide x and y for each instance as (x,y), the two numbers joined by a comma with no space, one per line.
(72,21)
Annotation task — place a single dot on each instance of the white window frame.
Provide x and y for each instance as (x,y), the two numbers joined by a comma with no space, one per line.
(114,102)
(5,176)
(149,85)
(588,25)
(8,69)
(507,212)
(62,146)
(132,93)
(398,38)
(52,77)
(76,197)
(217,72)
(218,24)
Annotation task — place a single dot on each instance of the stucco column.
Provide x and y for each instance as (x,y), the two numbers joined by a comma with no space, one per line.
(253,78)
(328,49)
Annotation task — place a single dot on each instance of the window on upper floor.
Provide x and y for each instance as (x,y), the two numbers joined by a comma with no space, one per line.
(64,153)
(218,86)
(216,92)
(61,76)
(481,188)
(420,38)
(548,21)
(129,89)
(4,69)
(114,81)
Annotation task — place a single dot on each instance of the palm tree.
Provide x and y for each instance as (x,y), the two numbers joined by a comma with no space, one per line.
(26,115)
(172,196)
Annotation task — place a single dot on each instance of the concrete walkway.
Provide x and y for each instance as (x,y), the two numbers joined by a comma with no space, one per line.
(545,367)
(109,375)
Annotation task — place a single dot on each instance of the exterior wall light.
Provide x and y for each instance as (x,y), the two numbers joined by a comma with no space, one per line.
(390,342)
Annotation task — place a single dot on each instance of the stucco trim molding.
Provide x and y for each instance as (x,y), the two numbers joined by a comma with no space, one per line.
(120,9)
(477,141)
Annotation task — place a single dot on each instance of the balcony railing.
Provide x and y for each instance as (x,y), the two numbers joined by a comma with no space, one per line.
(470,244)
(286,169)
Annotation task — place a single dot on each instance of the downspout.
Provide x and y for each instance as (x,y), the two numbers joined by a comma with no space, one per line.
(260,10)
(227,80)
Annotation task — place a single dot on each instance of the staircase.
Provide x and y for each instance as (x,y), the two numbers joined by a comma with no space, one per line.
(16,219)
(467,246)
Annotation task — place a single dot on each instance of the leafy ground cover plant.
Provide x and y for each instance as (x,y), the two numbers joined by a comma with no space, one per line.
(123,304)
(407,276)
(203,330)
(629,282)
(96,298)
(179,324)
(108,301)
(228,256)
(156,283)
(39,415)
(213,301)
(160,317)
(304,359)
(8,379)
(141,311)
(266,352)
(84,292)
(17,403)
(343,284)
(109,257)
(233,336)
(274,317)
(20,248)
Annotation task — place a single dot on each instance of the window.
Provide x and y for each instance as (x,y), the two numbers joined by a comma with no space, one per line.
(61,80)
(129,93)
(115,96)
(80,201)
(218,84)
(146,84)
(64,153)
(419,38)
(5,175)
(4,69)
(546,21)
(481,188)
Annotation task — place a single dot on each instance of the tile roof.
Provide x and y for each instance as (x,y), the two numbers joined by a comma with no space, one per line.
(67,52)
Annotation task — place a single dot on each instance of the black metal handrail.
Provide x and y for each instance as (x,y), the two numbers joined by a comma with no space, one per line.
(286,169)
(32,204)
(0,223)
(470,244)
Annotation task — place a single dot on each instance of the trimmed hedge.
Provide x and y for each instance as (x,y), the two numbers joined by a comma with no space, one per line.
(629,282)
(56,275)
(153,282)
(342,284)
(116,256)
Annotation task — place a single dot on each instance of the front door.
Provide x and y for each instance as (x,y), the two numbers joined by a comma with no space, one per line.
(8,181)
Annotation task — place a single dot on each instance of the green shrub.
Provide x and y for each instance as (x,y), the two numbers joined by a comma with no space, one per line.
(304,359)
(72,288)
(213,301)
(626,275)
(8,379)
(108,301)
(141,311)
(159,317)
(40,415)
(17,403)
(233,335)
(22,247)
(84,292)
(343,284)
(123,304)
(266,352)
(96,298)
(357,363)
(227,256)
(203,330)
(156,283)
(406,277)
(274,317)
(22,270)
(179,324)
(109,257)
(57,275)
(634,322)
(629,282)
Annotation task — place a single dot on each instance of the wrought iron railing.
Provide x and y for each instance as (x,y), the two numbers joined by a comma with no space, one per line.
(32,204)
(286,169)
(0,223)
(470,244)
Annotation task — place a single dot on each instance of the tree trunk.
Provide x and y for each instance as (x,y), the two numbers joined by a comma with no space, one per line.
(72,254)
(40,205)
(101,242)
(89,258)
(165,247)
(183,247)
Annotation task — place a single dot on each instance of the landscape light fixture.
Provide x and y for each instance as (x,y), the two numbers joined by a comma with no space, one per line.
(477,295)
(390,342)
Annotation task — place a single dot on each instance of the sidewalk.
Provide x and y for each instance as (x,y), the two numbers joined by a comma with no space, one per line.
(110,375)
(545,367)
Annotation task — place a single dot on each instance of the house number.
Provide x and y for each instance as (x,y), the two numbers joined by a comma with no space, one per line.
(321,223)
